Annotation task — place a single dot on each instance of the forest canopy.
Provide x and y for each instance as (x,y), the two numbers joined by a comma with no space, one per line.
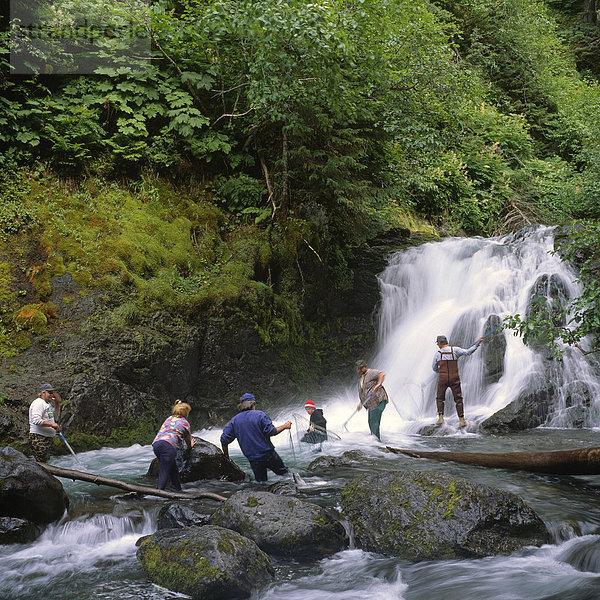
(313,126)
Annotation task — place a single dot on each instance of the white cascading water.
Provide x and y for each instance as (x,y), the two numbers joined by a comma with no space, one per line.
(453,287)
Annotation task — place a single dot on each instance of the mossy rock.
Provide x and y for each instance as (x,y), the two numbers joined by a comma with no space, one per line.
(427,516)
(207,563)
(281,525)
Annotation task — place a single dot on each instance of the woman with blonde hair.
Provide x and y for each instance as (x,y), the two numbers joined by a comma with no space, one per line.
(173,434)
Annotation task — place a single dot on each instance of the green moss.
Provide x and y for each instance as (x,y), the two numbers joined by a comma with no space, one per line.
(22,340)
(225,546)
(168,568)
(33,317)
(251,501)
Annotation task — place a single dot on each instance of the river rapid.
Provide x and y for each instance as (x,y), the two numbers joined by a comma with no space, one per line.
(451,287)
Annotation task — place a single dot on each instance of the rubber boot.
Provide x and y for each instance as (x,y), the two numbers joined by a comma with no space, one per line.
(440,420)
(462,422)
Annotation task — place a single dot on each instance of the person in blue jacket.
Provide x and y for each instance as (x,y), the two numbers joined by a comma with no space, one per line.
(253,430)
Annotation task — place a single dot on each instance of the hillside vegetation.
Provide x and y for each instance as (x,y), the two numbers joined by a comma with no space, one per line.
(251,146)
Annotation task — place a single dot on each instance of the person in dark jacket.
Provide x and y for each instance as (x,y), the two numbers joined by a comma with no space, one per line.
(253,430)
(317,428)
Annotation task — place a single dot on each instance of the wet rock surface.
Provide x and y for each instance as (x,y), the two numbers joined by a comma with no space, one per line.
(528,411)
(347,459)
(422,516)
(27,491)
(204,461)
(182,514)
(207,563)
(18,531)
(282,525)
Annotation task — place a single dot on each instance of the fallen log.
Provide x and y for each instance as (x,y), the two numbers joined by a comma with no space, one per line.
(123,485)
(583,461)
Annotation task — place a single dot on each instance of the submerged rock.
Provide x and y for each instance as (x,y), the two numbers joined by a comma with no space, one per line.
(347,459)
(204,461)
(18,531)
(282,525)
(425,516)
(27,491)
(182,514)
(207,563)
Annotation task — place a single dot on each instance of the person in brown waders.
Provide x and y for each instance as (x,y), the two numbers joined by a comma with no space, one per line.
(445,363)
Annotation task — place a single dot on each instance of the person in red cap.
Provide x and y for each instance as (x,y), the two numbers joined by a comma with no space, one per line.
(317,429)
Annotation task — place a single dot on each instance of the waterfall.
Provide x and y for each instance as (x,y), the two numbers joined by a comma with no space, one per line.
(462,288)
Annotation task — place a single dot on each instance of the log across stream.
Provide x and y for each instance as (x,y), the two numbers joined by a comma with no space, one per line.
(583,461)
(129,487)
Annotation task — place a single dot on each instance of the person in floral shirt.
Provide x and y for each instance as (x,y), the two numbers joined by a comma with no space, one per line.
(174,433)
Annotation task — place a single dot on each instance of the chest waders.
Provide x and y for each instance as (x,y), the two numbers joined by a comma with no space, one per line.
(449,378)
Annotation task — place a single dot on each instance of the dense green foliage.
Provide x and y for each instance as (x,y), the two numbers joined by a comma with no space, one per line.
(265,139)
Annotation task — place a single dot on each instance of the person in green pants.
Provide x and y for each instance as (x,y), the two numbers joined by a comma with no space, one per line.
(372,394)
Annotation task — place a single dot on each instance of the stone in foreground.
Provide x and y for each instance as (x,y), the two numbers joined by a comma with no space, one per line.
(207,563)
(27,491)
(427,516)
(281,525)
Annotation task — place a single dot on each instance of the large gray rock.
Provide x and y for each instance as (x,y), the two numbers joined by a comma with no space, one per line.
(207,563)
(528,411)
(424,516)
(282,525)
(204,461)
(27,491)
(493,351)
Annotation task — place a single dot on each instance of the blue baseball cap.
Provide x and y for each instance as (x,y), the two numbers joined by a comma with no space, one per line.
(248,398)
(46,387)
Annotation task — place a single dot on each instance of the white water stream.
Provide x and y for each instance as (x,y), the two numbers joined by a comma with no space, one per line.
(452,288)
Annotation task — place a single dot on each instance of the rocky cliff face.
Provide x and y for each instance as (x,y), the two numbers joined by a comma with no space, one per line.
(118,384)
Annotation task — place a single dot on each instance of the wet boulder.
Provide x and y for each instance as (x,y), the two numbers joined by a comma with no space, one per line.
(427,516)
(204,461)
(207,563)
(349,458)
(27,491)
(492,351)
(283,488)
(18,531)
(282,525)
(182,514)
(528,411)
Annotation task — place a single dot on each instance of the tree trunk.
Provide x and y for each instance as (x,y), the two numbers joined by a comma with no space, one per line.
(129,487)
(584,461)
(590,11)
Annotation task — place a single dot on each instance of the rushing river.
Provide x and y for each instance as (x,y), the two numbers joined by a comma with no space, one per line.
(450,287)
